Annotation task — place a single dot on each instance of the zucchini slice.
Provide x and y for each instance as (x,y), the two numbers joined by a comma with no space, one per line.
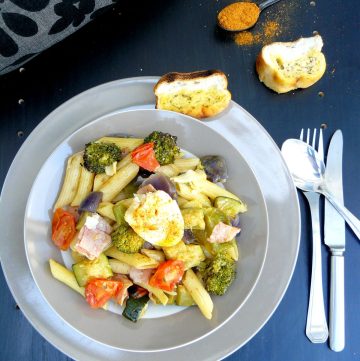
(86,269)
(135,308)
(119,213)
(193,218)
(231,207)
(183,297)
(82,219)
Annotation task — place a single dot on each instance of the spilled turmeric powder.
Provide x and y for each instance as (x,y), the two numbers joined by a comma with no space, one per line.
(269,30)
(246,38)
(276,22)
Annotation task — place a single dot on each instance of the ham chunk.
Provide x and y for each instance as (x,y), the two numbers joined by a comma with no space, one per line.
(141,276)
(97,222)
(93,237)
(223,233)
(92,242)
(123,294)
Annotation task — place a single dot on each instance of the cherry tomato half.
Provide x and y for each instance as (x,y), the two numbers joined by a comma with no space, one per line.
(168,275)
(99,291)
(144,157)
(63,228)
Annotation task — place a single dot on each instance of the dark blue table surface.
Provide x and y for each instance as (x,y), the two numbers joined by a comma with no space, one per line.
(152,38)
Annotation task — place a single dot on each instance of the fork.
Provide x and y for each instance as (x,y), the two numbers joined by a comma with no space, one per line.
(316,325)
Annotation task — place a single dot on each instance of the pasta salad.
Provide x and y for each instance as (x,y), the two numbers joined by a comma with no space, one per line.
(144,223)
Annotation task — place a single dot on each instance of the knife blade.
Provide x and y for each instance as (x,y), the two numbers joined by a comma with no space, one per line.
(334,238)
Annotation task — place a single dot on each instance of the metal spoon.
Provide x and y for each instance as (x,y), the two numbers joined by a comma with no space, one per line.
(267,3)
(261,7)
(308,170)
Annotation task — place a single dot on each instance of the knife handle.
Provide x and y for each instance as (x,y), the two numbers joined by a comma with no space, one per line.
(337,304)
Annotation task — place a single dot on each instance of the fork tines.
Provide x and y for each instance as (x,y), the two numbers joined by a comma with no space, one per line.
(320,148)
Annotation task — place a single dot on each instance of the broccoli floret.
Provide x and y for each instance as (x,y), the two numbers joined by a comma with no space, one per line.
(126,240)
(165,147)
(218,273)
(97,156)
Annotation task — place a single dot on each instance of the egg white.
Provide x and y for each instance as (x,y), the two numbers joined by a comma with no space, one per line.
(157,218)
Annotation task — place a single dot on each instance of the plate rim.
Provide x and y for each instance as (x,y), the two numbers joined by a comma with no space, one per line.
(46,124)
(31,195)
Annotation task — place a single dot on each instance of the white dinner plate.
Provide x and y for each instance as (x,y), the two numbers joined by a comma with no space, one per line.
(155,329)
(243,131)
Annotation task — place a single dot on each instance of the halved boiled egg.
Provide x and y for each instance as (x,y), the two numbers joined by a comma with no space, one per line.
(157,218)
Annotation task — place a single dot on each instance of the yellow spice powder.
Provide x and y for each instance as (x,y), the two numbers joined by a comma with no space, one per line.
(246,38)
(271,25)
(238,16)
(269,30)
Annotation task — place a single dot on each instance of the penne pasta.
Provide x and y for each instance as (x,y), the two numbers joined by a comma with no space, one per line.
(101,178)
(71,180)
(191,204)
(157,292)
(126,202)
(105,209)
(125,144)
(190,177)
(86,181)
(136,260)
(119,267)
(181,201)
(198,293)
(125,161)
(155,254)
(65,276)
(190,194)
(185,164)
(212,190)
(169,170)
(118,181)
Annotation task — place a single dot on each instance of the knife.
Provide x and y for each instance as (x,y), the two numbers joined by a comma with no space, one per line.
(334,231)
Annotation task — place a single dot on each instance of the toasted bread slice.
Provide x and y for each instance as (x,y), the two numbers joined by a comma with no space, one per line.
(286,66)
(199,94)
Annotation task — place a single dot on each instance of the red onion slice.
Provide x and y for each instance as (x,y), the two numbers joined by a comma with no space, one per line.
(188,237)
(215,168)
(236,221)
(91,202)
(161,183)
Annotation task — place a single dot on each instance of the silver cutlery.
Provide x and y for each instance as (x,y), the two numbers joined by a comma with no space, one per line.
(334,237)
(316,326)
(307,170)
